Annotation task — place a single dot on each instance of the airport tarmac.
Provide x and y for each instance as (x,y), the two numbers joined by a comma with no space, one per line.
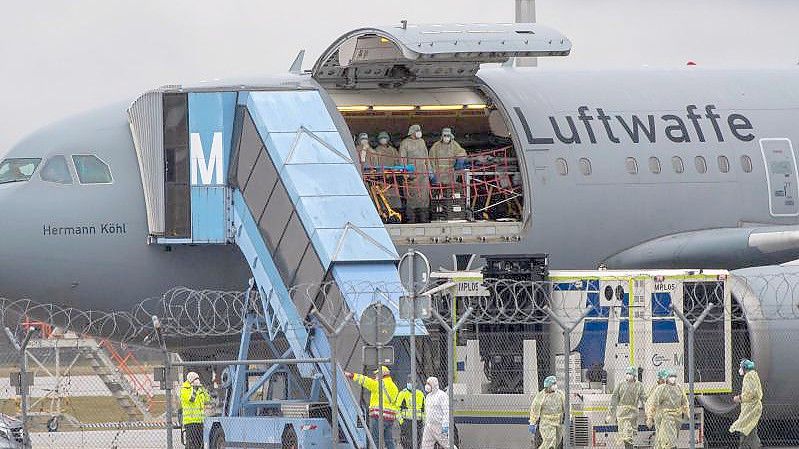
(130,439)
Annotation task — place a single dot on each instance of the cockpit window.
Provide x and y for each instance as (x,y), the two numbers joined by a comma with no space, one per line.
(91,170)
(18,169)
(56,170)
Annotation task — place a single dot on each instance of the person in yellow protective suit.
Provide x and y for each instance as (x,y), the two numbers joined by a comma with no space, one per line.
(624,406)
(193,398)
(405,408)
(670,402)
(443,155)
(751,406)
(413,151)
(389,403)
(388,156)
(661,379)
(546,414)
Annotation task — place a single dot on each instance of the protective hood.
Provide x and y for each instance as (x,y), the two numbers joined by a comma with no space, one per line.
(433,382)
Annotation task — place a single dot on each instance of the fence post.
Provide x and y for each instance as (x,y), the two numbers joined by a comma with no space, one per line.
(567,329)
(167,380)
(451,366)
(691,328)
(21,349)
(332,337)
(412,283)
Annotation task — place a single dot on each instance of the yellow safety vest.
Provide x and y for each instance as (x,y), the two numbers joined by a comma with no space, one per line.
(193,403)
(405,404)
(389,396)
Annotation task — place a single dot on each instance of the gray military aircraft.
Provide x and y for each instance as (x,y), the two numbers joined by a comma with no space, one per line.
(680,168)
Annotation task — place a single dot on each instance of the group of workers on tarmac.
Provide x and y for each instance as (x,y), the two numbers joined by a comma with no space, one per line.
(435,166)
(666,408)
(432,410)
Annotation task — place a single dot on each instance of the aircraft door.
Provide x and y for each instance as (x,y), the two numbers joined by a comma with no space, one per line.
(781,177)
(176,166)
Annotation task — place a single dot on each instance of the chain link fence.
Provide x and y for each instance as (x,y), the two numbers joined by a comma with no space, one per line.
(89,392)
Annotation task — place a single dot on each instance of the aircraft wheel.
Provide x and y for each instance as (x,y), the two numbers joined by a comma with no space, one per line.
(289,438)
(52,424)
(217,438)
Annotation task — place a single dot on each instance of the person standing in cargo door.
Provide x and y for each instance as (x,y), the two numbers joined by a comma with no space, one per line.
(389,403)
(624,406)
(546,414)
(193,398)
(413,151)
(751,406)
(443,155)
(670,402)
(388,158)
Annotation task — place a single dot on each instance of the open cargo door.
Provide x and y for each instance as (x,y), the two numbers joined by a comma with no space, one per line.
(418,55)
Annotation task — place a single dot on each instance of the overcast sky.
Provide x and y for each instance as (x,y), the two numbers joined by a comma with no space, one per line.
(61,57)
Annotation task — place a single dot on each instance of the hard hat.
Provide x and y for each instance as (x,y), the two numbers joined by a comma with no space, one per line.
(632,370)
(363,136)
(384,369)
(747,364)
(549,381)
(413,128)
(192,376)
(446,132)
(663,374)
(383,135)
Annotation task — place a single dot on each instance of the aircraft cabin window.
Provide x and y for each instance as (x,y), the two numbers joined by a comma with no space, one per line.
(18,169)
(677,165)
(654,165)
(724,164)
(56,170)
(91,170)
(562,166)
(632,165)
(746,164)
(701,165)
(585,166)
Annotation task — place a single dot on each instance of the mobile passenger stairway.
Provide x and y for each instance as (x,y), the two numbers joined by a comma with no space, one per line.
(270,173)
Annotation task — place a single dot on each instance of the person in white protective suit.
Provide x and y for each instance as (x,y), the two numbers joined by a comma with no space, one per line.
(436,421)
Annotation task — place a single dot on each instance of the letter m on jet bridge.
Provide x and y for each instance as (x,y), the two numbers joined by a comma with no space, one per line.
(210,170)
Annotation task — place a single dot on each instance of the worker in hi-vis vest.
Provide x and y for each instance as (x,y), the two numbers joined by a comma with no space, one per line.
(389,403)
(193,398)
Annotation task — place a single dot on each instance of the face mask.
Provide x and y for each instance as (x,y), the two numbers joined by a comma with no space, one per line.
(553,387)
(629,377)
(409,386)
(446,139)
(365,143)
(417,134)
(428,388)
(383,141)
(672,380)
(741,371)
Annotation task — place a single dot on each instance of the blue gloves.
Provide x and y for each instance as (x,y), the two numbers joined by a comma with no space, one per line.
(533,428)
(433,178)
(445,429)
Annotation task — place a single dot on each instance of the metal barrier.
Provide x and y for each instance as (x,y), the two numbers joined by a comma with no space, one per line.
(487,369)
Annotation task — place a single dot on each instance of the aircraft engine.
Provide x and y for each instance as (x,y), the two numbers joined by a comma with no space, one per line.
(765,324)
